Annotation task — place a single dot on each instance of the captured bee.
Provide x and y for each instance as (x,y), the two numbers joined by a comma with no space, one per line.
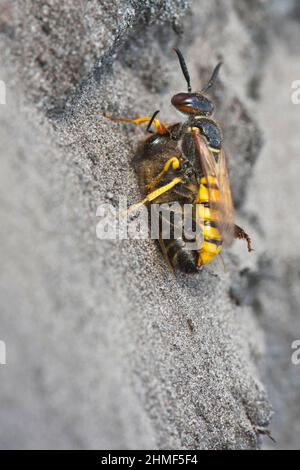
(165,173)
(185,163)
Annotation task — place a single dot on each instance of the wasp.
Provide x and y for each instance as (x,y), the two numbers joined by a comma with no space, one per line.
(185,163)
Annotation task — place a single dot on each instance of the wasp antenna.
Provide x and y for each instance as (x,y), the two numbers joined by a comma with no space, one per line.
(151,121)
(184,68)
(213,78)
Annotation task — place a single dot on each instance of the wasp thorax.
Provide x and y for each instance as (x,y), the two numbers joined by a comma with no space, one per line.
(193,103)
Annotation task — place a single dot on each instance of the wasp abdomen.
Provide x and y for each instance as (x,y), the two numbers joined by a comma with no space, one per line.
(212,238)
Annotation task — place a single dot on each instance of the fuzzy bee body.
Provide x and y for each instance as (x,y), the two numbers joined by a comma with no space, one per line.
(151,157)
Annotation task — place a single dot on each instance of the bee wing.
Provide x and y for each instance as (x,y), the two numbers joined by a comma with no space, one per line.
(220,200)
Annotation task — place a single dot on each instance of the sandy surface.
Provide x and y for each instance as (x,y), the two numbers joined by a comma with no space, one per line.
(100,349)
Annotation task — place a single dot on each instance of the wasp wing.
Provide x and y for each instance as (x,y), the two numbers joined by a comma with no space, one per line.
(227,215)
(208,163)
(221,199)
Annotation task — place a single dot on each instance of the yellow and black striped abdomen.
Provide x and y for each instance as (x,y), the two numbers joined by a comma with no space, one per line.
(208,216)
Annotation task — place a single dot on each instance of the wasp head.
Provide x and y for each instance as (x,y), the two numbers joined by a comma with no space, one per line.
(193,103)
(197,102)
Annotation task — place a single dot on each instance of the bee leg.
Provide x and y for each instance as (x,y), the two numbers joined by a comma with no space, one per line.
(155,194)
(161,128)
(172,162)
(242,235)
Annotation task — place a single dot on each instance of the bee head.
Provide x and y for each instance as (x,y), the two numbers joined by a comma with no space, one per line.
(197,102)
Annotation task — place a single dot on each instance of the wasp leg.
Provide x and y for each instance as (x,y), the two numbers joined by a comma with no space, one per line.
(172,162)
(265,432)
(161,128)
(242,235)
(155,194)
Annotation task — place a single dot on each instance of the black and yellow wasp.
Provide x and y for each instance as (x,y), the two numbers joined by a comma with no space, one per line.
(185,163)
